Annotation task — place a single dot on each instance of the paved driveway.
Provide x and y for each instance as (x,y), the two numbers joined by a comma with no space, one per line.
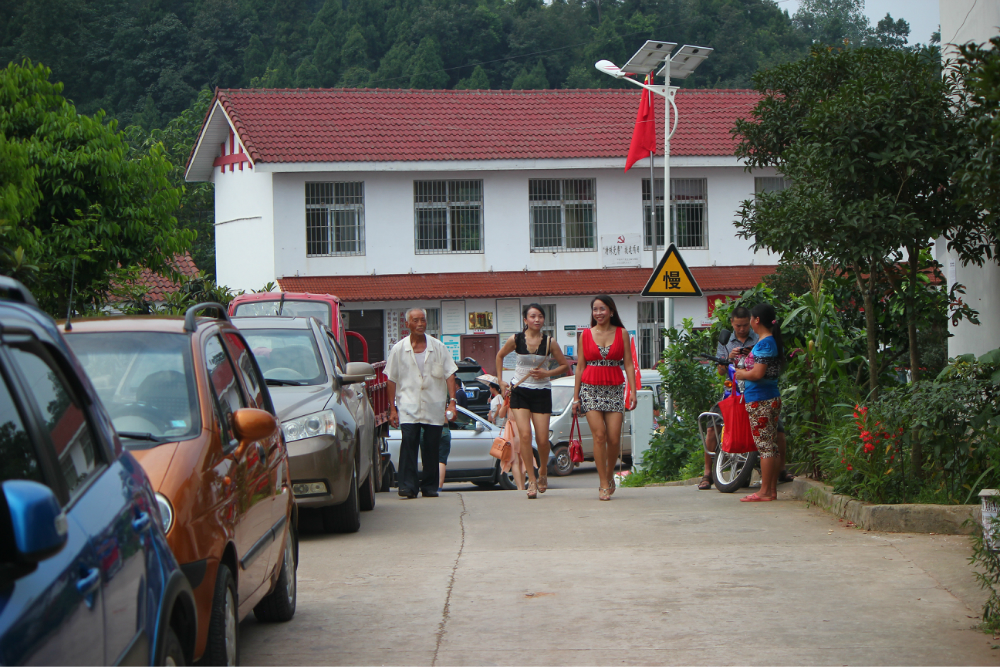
(665,575)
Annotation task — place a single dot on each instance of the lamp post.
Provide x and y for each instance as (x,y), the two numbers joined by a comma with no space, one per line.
(651,55)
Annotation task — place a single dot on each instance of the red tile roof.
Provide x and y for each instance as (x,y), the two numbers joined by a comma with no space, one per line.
(527,284)
(158,286)
(361,125)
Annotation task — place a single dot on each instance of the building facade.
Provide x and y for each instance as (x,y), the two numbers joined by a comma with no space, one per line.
(473,204)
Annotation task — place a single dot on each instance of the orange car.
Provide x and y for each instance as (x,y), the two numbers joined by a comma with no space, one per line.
(188,400)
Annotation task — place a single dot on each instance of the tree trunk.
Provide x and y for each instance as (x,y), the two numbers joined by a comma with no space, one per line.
(911,313)
(870,329)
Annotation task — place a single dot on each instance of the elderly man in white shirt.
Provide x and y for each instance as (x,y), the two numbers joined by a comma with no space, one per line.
(421,374)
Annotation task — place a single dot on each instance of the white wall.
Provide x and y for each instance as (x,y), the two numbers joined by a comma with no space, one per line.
(389,221)
(244,229)
(971,21)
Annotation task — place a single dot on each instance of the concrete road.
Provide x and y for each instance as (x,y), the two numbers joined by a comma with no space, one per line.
(663,575)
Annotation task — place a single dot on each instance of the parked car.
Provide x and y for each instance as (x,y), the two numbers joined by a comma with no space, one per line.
(477,392)
(86,575)
(562,421)
(189,401)
(333,453)
(470,460)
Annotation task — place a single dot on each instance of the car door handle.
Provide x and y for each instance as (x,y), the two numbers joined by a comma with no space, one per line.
(87,585)
(142,522)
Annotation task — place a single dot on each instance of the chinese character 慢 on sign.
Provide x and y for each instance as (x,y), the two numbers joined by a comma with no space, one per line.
(674,280)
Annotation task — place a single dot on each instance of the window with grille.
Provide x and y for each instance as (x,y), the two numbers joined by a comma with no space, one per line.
(433,322)
(762,184)
(335,218)
(650,324)
(562,215)
(688,213)
(448,216)
(549,328)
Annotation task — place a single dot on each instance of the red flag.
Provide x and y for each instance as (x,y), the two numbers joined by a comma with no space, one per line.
(644,134)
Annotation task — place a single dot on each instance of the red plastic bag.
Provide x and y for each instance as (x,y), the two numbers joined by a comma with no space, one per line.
(736,435)
(575,447)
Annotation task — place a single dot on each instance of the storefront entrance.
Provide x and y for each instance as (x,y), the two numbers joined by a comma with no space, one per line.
(482,348)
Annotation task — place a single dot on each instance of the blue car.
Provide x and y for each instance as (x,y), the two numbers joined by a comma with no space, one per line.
(86,576)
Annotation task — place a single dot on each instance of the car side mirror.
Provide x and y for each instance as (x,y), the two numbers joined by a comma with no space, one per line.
(357,371)
(480,427)
(250,424)
(36,519)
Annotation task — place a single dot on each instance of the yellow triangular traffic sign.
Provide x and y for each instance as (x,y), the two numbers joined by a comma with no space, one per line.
(671,277)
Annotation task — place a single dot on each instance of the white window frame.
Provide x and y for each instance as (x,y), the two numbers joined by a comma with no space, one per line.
(326,204)
(688,202)
(542,195)
(444,196)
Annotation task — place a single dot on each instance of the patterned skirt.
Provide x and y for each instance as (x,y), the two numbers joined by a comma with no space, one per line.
(602,397)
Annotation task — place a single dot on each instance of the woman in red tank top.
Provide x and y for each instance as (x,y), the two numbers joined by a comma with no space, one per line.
(600,385)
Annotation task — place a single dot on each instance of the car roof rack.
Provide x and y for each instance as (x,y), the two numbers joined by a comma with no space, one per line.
(189,321)
(12,290)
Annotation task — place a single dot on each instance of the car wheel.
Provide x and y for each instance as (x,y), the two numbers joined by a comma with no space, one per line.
(367,491)
(173,652)
(345,517)
(279,605)
(224,624)
(506,479)
(563,464)
(380,476)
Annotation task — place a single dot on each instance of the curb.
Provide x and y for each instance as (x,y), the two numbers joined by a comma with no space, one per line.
(691,481)
(903,518)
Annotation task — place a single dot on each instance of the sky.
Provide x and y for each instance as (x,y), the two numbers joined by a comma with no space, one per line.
(924,16)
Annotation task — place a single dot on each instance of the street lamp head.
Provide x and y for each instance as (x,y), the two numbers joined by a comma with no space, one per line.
(609,68)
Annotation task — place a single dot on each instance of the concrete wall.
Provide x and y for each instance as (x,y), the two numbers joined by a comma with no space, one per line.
(971,21)
(244,229)
(389,222)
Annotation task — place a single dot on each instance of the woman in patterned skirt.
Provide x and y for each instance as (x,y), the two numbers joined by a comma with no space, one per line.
(763,399)
(599,391)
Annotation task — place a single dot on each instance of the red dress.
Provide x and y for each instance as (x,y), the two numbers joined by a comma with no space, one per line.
(602,386)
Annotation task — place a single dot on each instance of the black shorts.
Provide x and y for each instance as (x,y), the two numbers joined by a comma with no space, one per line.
(538,401)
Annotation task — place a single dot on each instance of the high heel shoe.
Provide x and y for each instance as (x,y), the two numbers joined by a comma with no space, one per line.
(603,494)
(611,489)
(543,483)
(532,491)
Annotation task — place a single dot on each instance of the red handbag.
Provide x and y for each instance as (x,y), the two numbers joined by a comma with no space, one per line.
(575,447)
(736,435)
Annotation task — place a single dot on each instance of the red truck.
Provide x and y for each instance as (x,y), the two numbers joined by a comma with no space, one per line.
(327,309)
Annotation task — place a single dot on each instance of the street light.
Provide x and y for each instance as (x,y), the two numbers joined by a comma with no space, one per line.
(683,63)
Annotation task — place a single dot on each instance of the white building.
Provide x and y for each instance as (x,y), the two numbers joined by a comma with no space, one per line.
(473,204)
(964,21)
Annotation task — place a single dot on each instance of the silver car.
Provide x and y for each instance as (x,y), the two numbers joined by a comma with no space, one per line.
(470,460)
(562,420)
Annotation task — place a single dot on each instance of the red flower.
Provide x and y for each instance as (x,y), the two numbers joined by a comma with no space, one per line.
(843,460)
(869,448)
(850,468)
(762,421)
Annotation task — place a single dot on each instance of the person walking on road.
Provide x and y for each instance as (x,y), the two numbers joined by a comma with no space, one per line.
(531,396)
(421,385)
(763,398)
(599,390)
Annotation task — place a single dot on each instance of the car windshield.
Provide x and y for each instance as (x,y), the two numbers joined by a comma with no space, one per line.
(287,356)
(146,382)
(287,308)
(561,396)
(468,376)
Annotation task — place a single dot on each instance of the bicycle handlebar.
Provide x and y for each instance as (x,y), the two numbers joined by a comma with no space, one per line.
(721,361)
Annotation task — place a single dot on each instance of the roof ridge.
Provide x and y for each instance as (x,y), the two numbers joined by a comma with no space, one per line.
(482,91)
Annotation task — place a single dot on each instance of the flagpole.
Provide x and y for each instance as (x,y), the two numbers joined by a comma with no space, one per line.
(668,221)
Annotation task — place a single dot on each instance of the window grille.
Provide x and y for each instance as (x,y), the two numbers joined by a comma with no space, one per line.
(650,324)
(762,184)
(688,213)
(433,322)
(550,329)
(562,215)
(335,219)
(448,216)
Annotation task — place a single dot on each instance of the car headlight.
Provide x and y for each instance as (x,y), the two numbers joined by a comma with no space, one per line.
(166,512)
(309,426)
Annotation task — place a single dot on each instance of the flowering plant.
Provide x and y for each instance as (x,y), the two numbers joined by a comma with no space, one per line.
(869,459)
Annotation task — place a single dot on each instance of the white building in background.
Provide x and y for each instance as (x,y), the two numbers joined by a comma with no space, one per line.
(964,21)
(473,204)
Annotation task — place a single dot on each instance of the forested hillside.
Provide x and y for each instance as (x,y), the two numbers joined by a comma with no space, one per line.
(144,61)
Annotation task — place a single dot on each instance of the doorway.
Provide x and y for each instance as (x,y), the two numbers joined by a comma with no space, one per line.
(369,324)
(482,348)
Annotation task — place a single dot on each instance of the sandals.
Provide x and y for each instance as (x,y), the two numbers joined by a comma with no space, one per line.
(603,493)
(543,483)
(706,483)
(754,498)
(611,489)
(532,491)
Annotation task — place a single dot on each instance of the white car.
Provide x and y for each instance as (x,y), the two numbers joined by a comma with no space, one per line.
(470,460)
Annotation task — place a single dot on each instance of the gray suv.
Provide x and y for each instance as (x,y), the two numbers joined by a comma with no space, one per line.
(325,415)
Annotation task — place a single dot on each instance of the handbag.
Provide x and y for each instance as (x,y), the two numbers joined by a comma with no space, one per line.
(737,438)
(575,446)
(501,448)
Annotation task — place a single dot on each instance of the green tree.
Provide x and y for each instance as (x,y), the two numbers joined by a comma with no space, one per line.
(326,59)
(306,75)
(867,138)
(254,60)
(533,80)
(476,81)
(427,68)
(395,67)
(101,207)
(833,21)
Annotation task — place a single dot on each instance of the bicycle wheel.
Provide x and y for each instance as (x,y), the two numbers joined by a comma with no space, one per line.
(732,471)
